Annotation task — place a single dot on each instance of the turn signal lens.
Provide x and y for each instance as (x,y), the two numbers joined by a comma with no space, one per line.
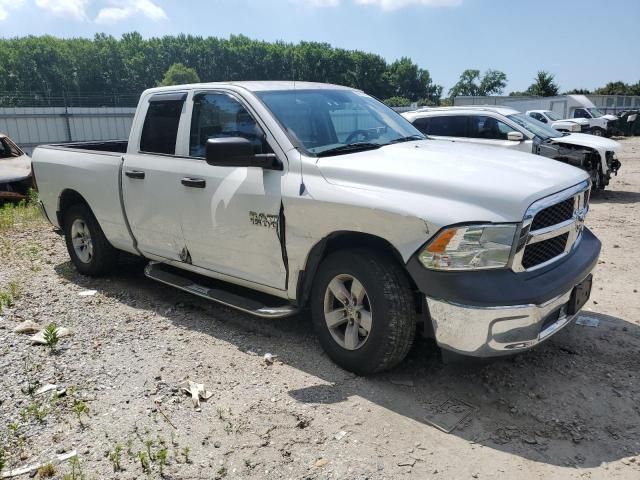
(470,247)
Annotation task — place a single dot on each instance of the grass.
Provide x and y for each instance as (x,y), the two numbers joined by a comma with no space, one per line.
(21,213)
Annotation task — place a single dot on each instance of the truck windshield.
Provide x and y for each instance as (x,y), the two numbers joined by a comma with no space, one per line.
(553,116)
(325,122)
(534,126)
(595,112)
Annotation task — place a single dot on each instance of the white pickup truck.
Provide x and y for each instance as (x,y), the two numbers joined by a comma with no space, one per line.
(270,197)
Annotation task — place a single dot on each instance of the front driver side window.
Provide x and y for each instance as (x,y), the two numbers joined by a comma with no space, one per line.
(539,117)
(217,115)
(488,128)
(580,113)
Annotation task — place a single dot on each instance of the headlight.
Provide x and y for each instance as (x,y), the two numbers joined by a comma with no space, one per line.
(470,247)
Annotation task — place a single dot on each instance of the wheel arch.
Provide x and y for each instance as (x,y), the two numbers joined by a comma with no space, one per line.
(68,198)
(342,240)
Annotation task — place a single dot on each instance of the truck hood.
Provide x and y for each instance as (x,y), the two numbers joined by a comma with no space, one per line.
(609,117)
(583,140)
(447,178)
(14,169)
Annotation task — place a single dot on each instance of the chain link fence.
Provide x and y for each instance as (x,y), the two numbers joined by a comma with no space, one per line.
(39,99)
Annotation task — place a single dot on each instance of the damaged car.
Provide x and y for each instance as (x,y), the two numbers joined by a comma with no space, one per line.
(15,171)
(507,128)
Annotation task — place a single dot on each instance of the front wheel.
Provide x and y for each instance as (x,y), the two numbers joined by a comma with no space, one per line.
(598,132)
(363,311)
(90,251)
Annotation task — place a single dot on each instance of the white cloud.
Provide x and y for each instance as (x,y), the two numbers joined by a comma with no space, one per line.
(122,9)
(5,5)
(396,4)
(74,9)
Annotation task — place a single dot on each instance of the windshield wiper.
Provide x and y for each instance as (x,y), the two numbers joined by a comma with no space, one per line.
(409,138)
(349,148)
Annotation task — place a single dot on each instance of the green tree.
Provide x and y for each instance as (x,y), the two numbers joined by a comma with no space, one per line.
(543,85)
(472,84)
(578,91)
(614,88)
(407,80)
(179,74)
(397,102)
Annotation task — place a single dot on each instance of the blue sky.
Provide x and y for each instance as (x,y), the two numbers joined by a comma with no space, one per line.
(584,43)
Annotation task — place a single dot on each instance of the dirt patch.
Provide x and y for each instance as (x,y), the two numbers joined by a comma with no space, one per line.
(569,409)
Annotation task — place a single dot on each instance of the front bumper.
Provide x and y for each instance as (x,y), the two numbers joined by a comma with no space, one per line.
(497,312)
(493,331)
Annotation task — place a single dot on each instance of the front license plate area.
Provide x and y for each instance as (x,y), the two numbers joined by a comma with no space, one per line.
(580,296)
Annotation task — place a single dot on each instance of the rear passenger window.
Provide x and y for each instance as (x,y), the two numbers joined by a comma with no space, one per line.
(160,129)
(488,128)
(445,126)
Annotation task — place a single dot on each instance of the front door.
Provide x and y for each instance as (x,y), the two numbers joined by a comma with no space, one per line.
(230,218)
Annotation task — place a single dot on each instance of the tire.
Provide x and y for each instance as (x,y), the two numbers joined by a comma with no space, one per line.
(597,179)
(386,309)
(98,257)
(598,132)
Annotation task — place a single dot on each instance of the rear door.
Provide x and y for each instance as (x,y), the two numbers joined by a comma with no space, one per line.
(150,178)
(231,218)
(445,127)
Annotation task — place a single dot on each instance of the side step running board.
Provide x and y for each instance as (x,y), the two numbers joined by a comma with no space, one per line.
(174,277)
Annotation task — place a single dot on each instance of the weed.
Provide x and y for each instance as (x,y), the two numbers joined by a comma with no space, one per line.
(46,471)
(32,383)
(76,471)
(144,462)
(115,457)
(185,454)
(220,412)
(51,337)
(9,295)
(162,459)
(80,408)
(228,428)
(130,447)
(149,446)
(36,411)
(174,441)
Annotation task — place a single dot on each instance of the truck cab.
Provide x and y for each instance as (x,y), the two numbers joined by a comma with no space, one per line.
(555,121)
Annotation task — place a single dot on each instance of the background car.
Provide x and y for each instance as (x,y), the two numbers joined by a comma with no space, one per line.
(508,128)
(15,171)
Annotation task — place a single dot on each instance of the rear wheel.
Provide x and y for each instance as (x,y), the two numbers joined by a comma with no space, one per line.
(363,311)
(90,251)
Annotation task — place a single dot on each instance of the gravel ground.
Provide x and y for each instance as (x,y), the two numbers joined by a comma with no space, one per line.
(569,409)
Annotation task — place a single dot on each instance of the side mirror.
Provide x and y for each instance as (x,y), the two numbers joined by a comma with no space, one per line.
(515,136)
(238,152)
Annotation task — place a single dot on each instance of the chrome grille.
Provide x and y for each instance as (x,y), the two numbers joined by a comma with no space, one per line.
(558,213)
(551,228)
(544,251)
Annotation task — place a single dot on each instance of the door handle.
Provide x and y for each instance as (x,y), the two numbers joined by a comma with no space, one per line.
(134,174)
(194,182)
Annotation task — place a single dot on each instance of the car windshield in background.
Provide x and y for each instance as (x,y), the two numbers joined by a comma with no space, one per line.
(327,122)
(553,116)
(534,126)
(595,112)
